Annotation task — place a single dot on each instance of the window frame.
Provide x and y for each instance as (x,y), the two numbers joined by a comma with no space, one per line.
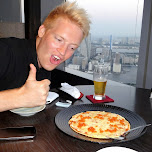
(144,71)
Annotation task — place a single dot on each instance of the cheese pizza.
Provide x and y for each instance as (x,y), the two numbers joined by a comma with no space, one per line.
(99,124)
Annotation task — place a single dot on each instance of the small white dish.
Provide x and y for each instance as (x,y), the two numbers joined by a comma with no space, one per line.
(63,104)
(116,149)
(28,111)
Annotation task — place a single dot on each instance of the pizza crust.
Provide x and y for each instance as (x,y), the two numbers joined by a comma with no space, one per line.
(99,124)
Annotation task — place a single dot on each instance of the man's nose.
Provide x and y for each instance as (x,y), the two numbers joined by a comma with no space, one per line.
(62,50)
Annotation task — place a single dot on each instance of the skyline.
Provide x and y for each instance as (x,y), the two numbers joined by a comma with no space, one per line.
(117,18)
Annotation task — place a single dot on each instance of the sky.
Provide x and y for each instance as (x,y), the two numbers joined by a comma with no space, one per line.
(114,17)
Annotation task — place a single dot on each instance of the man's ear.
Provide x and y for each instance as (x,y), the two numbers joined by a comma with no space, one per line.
(41,31)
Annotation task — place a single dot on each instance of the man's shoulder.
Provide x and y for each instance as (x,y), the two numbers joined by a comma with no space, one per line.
(11,40)
(16,42)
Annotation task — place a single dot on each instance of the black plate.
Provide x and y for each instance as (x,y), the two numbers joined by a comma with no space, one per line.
(63,117)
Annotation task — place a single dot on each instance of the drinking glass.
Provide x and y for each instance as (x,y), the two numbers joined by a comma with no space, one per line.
(100,80)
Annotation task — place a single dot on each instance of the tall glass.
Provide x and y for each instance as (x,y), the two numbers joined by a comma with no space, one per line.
(100,81)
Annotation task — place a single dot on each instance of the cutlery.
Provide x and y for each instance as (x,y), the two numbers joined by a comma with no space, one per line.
(143,126)
(122,137)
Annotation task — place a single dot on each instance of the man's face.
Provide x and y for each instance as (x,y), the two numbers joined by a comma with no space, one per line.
(57,44)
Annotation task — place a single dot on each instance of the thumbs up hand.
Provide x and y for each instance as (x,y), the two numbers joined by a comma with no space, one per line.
(32,73)
(34,92)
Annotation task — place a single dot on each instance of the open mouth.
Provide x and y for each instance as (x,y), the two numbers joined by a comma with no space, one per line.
(55,59)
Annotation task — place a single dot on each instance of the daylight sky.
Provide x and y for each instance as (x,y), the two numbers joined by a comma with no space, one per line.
(114,17)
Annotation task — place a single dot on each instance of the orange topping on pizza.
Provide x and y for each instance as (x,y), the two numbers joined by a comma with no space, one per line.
(99,116)
(91,129)
(81,124)
(99,124)
(122,122)
(113,119)
(111,130)
(101,131)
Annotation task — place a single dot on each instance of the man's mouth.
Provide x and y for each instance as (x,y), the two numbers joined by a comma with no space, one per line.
(55,59)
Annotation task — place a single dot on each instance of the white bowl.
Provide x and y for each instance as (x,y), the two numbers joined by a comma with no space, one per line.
(28,111)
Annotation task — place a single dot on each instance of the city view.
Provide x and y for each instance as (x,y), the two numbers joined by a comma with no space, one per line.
(114,39)
(119,54)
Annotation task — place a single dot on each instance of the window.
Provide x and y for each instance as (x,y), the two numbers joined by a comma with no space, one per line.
(114,40)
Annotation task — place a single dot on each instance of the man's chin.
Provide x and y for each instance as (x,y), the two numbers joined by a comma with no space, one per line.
(50,68)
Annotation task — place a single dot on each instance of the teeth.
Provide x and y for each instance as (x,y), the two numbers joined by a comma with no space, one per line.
(56,57)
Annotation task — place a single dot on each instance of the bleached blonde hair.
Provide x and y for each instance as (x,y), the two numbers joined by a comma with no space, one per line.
(72,12)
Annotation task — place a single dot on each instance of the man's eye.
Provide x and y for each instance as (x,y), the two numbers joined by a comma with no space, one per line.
(72,48)
(58,39)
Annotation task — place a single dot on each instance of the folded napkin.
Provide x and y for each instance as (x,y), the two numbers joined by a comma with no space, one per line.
(71,90)
(51,97)
(107,99)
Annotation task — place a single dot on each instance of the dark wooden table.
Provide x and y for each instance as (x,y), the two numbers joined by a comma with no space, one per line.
(50,139)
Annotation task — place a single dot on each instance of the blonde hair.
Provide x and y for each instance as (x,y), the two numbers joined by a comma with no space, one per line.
(72,12)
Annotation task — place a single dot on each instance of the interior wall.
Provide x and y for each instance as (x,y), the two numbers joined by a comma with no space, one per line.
(12,29)
(9,11)
(10,16)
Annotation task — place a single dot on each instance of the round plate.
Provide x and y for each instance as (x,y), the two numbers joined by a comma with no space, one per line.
(116,149)
(62,119)
(28,111)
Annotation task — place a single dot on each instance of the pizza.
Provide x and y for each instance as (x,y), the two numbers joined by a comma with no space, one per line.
(99,124)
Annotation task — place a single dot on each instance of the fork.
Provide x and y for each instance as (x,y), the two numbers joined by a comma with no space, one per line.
(122,137)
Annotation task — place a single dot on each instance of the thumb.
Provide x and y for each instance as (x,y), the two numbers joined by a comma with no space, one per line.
(32,73)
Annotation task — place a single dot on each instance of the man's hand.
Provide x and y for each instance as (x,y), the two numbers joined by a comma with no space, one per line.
(34,92)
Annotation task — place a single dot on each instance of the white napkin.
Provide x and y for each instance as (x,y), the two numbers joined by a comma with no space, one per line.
(51,97)
(71,90)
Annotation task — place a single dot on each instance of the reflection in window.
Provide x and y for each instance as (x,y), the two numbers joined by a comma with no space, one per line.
(114,39)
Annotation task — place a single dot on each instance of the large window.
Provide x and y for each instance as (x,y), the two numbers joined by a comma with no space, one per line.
(114,40)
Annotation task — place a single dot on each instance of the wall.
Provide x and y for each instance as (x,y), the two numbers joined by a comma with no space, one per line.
(10,16)
(10,11)
(12,29)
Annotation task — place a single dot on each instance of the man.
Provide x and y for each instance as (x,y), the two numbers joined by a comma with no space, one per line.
(58,37)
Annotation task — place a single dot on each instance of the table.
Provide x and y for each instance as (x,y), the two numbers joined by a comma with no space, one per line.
(50,139)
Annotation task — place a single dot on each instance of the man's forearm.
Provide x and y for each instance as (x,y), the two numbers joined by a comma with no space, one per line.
(9,99)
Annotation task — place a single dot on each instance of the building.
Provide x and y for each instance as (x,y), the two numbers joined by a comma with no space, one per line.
(117,64)
(85,47)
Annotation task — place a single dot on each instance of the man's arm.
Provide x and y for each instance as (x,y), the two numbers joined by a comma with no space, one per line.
(32,93)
